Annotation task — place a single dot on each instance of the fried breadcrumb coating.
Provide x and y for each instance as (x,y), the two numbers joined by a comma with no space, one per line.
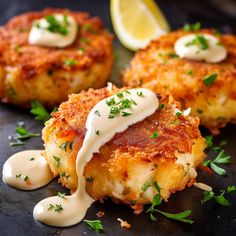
(132,158)
(157,67)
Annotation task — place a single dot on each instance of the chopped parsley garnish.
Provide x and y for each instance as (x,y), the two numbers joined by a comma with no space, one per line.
(192,27)
(157,200)
(56,26)
(56,207)
(97,131)
(171,54)
(61,195)
(71,62)
(209,80)
(97,113)
(63,146)
(21,134)
(64,175)
(162,105)
(200,41)
(123,113)
(140,93)
(118,107)
(111,101)
(66,144)
(189,72)
(221,158)
(120,95)
(178,113)
(175,122)
(39,111)
(24,177)
(95,225)
(220,199)
(209,141)
(58,161)
(146,185)
(32,158)
(154,135)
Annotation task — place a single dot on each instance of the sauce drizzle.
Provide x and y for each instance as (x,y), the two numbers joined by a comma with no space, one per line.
(131,106)
(200,47)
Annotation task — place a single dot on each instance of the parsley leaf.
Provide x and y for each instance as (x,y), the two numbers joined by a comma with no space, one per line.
(231,188)
(58,161)
(178,216)
(55,26)
(209,141)
(200,41)
(220,199)
(154,135)
(192,27)
(57,207)
(146,185)
(21,134)
(39,111)
(95,225)
(70,62)
(209,80)
(221,158)
(61,195)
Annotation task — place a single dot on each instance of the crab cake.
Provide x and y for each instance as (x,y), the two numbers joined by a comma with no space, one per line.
(165,148)
(48,74)
(159,68)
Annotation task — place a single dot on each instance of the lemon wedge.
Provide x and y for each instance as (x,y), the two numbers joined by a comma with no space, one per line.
(137,22)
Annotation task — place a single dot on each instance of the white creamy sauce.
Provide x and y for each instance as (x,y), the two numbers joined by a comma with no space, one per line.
(214,52)
(41,35)
(101,127)
(27,170)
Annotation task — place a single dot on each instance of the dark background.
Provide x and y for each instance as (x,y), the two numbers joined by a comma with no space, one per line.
(211,219)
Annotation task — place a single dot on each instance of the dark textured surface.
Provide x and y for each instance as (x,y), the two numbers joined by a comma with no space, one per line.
(16,206)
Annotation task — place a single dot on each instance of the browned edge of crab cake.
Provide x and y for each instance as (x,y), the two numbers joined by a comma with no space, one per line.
(132,157)
(158,67)
(29,72)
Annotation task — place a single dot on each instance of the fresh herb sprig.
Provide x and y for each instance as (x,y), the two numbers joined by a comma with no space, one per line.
(21,135)
(24,177)
(39,111)
(220,199)
(200,41)
(221,158)
(118,107)
(56,207)
(210,79)
(157,200)
(56,26)
(192,27)
(95,225)
(61,195)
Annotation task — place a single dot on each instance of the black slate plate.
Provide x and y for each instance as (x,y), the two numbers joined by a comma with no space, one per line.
(211,219)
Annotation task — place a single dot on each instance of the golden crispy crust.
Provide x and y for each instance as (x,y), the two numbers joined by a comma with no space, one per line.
(134,149)
(15,49)
(157,67)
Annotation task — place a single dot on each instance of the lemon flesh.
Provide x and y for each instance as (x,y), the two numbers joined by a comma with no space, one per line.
(137,22)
